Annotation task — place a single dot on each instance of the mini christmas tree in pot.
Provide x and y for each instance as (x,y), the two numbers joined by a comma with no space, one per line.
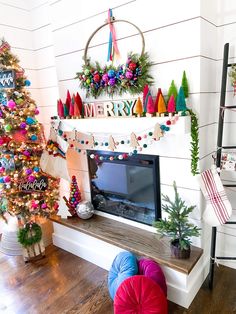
(176,226)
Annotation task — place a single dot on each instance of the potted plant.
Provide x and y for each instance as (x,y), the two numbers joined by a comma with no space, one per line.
(176,226)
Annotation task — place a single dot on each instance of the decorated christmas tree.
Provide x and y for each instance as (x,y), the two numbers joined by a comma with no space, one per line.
(75,196)
(25,191)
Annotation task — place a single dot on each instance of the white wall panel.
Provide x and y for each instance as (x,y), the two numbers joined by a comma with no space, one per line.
(44,57)
(16,37)
(10,17)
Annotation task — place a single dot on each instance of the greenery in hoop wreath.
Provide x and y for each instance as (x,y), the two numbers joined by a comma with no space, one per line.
(30,234)
(130,77)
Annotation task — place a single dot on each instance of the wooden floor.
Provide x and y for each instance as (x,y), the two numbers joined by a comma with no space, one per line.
(65,283)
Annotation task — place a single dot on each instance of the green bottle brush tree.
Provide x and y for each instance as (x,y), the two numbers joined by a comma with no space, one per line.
(176,226)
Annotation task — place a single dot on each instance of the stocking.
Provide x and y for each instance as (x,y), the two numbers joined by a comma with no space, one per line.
(218,209)
(55,164)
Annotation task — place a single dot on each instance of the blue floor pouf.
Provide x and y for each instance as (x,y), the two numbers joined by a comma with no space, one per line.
(124,266)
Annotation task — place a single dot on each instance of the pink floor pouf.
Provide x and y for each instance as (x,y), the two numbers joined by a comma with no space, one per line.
(139,295)
(151,269)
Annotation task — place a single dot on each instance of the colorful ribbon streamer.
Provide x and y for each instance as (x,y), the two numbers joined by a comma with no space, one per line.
(112,39)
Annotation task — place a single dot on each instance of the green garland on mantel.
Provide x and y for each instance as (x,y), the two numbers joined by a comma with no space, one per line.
(194,143)
(30,234)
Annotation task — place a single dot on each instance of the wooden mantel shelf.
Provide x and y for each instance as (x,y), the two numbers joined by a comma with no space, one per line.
(138,241)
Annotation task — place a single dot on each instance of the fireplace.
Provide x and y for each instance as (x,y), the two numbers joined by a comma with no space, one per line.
(124,185)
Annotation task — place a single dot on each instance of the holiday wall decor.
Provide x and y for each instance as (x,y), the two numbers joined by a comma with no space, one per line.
(27,191)
(130,77)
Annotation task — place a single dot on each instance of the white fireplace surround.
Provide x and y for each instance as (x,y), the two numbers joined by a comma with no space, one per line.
(175,160)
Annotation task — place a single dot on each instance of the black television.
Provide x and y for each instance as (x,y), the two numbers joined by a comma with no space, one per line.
(125,185)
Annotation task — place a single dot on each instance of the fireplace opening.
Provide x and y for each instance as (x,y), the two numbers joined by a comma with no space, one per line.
(124,185)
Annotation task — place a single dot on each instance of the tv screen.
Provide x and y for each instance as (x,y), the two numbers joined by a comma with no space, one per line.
(126,188)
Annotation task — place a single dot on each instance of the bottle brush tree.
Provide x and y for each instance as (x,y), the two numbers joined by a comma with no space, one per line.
(176,226)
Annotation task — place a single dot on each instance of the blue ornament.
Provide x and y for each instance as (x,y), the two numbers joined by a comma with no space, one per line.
(27,83)
(34,137)
(135,152)
(167,128)
(111,73)
(36,169)
(2,180)
(163,127)
(30,121)
(60,132)
(3,98)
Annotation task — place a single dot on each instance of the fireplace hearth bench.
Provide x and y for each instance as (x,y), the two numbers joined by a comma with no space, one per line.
(100,239)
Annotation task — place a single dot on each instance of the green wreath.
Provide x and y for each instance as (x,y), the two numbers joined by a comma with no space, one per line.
(24,234)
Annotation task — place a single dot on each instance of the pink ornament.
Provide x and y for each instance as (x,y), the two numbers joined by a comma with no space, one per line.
(128,75)
(145,136)
(44,205)
(36,111)
(23,132)
(26,153)
(7,179)
(11,104)
(31,179)
(2,169)
(34,205)
(105,78)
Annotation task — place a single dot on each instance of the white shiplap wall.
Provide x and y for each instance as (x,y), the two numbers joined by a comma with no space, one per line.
(173,41)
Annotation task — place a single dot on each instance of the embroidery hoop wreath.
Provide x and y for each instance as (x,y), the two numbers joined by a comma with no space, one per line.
(30,234)
(130,77)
